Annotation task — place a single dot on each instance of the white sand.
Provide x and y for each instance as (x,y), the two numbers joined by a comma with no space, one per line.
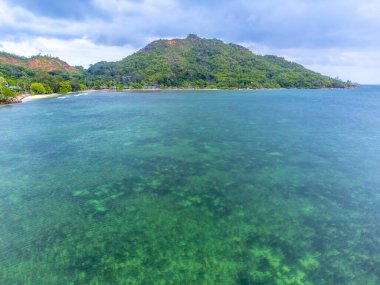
(36,97)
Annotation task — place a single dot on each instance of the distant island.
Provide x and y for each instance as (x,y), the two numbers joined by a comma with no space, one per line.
(190,63)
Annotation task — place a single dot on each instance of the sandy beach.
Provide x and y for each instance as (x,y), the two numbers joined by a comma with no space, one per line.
(36,97)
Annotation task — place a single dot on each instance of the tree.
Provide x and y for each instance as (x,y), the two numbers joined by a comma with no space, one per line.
(82,87)
(8,93)
(24,82)
(64,87)
(3,83)
(5,92)
(97,85)
(48,88)
(37,88)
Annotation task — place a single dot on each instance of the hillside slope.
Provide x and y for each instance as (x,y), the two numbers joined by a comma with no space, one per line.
(38,62)
(197,62)
(20,72)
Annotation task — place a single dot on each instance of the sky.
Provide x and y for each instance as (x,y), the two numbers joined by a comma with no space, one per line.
(339,38)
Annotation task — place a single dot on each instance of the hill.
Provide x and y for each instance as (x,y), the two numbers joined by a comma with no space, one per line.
(38,62)
(197,62)
(18,74)
(191,62)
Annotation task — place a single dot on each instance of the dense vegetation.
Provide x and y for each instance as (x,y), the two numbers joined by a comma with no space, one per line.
(5,92)
(196,62)
(48,76)
(191,62)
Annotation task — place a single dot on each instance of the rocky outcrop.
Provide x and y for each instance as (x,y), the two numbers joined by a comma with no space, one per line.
(14,100)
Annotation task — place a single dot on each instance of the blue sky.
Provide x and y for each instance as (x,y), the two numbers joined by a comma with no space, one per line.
(335,37)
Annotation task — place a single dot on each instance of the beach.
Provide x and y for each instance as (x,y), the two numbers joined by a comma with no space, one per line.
(36,97)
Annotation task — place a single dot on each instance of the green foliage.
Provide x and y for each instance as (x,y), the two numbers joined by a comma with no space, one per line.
(24,82)
(37,88)
(5,92)
(82,87)
(3,82)
(12,82)
(97,85)
(135,85)
(48,89)
(64,87)
(22,76)
(199,63)
(8,93)
(186,63)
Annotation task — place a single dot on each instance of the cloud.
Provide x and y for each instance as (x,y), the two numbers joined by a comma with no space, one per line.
(75,52)
(355,64)
(66,9)
(117,22)
(18,22)
(136,21)
(316,33)
(305,23)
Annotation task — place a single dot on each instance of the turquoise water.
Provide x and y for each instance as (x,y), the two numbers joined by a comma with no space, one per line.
(207,187)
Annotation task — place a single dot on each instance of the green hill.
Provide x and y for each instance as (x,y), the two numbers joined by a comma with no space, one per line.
(197,62)
(190,62)
(38,62)
(20,72)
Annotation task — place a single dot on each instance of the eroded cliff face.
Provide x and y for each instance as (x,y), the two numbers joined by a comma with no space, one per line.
(44,63)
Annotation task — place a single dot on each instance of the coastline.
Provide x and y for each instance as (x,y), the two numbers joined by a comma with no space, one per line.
(210,89)
(18,99)
(37,97)
(27,97)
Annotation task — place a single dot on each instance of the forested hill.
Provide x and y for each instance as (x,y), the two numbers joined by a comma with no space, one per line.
(197,62)
(38,62)
(39,75)
(185,63)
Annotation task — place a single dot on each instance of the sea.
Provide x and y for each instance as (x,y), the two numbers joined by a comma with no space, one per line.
(192,187)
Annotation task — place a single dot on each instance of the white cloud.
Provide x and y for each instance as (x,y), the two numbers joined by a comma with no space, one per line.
(137,21)
(369,9)
(140,7)
(75,52)
(357,65)
(338,38)
(16,18)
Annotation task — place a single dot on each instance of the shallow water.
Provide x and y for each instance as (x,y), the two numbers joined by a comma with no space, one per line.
(207,187)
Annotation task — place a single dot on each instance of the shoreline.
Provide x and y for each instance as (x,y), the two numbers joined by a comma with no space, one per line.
(25,97)
(37,97)
(14,100)
(210,89)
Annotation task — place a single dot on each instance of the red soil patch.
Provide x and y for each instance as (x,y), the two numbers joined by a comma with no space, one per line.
(10,60)
(48,65)
(171,42)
